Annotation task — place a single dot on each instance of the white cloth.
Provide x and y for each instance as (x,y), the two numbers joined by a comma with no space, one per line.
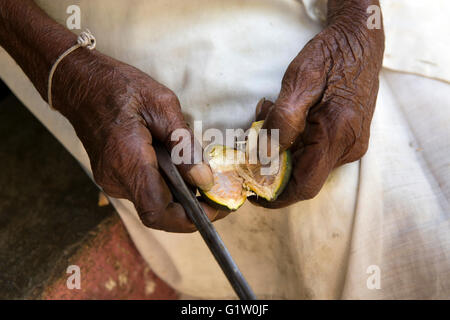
(391,209)
(417,35)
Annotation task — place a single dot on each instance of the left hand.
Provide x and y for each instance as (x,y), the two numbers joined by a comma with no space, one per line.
(326,103)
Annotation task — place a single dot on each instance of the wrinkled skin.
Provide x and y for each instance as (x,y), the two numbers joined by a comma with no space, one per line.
(323,111)
(117,112)
(326,103)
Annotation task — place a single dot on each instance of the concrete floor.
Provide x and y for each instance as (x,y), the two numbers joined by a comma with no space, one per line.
(48,211)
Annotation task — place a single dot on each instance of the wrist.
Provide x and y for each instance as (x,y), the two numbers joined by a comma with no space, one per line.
(32,39)
(351,17)
(75,79)
(351,11)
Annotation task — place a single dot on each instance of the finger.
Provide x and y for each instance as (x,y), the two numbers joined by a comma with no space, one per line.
(302,86)
(308,176)
(168,215)
(187,155)
(313,163)
(145,187)
(155,204)
(213,213)
(222,214)
(168,125)
(262,109)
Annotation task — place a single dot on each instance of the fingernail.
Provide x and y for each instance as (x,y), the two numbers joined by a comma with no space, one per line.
(202,176)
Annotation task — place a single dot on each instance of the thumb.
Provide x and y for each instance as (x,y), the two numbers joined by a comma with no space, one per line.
(302,87)
(262,109)
(168,125)
(187,155)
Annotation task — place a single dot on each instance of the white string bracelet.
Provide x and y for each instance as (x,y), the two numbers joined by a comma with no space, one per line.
(85,40)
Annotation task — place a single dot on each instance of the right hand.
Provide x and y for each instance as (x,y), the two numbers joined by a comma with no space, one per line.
(117,111)
(327,100)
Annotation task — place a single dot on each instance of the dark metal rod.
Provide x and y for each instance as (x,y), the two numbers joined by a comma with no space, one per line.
(198,216)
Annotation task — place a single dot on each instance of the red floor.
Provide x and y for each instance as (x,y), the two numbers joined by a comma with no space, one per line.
(111,268)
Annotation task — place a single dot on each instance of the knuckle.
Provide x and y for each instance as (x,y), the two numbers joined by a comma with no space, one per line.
(117,152)
(288,116)
(346,114)
(108,186)
(165,97)
(110,160)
